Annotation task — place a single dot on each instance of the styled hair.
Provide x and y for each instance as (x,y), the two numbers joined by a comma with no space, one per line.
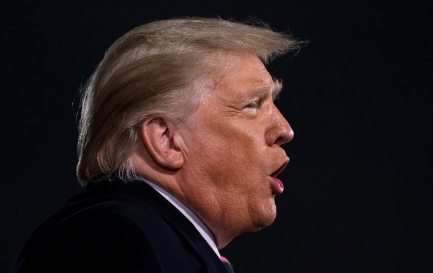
(159,68)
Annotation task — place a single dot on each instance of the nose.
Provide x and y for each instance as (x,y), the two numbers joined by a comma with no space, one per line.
(280,131)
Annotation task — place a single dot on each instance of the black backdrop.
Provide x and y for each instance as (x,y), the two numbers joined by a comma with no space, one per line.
(359,96)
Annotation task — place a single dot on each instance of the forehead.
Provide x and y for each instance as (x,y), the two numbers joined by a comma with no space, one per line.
(240,73)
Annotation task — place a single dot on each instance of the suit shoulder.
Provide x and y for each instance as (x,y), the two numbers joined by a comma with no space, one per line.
(112,235)
(98,238)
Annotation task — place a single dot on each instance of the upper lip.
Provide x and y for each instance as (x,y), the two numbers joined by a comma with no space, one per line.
(280,169)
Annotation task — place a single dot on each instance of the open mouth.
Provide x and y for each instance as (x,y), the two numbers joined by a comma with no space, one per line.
(279,170)
(277,184)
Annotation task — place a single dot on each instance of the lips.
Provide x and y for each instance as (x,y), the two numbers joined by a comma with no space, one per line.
(277,185)
(279,170)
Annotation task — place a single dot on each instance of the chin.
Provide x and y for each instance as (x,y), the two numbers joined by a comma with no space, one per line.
(265,219)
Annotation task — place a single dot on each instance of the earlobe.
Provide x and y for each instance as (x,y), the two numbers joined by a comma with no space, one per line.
(160,139)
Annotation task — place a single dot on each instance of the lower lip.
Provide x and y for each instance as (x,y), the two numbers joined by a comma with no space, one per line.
(277,185)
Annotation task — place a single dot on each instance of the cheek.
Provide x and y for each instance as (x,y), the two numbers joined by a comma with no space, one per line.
(237,160)
(235,170)
(229,155)
(233,145)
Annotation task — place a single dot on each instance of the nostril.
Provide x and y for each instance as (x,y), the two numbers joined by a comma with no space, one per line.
(278,135)
(285,137)
(280,140)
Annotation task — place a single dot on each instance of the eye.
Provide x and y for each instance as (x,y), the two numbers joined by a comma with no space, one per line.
(251,107)
(254,105)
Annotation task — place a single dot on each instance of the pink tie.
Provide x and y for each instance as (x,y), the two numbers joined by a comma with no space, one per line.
(226,264)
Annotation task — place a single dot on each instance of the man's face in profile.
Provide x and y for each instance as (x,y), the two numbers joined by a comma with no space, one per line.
(233,147)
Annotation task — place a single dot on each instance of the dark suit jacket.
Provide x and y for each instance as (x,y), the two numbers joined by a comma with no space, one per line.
(117,227)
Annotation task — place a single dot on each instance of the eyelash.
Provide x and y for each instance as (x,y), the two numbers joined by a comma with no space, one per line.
(254,104)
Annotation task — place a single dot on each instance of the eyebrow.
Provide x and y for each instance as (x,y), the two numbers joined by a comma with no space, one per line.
(275,90)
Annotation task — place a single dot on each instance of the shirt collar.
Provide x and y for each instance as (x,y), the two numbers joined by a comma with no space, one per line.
(191,216)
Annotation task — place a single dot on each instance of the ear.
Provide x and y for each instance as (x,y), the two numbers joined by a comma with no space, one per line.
(161,142)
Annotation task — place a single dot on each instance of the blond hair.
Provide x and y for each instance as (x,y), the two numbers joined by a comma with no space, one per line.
(155,69)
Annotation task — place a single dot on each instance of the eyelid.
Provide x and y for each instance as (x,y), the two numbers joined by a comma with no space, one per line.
(255,103)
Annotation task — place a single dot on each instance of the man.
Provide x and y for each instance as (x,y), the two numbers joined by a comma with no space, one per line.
(179,151)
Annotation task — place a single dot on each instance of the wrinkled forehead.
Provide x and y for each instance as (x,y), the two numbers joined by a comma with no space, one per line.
(242,72)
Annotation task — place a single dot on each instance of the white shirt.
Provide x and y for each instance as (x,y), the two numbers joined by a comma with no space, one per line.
(191,216)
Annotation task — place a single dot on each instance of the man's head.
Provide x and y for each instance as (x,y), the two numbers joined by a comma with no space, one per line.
(188,104)
(161,68)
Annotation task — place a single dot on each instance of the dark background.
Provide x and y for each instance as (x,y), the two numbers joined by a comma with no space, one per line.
(359,193)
